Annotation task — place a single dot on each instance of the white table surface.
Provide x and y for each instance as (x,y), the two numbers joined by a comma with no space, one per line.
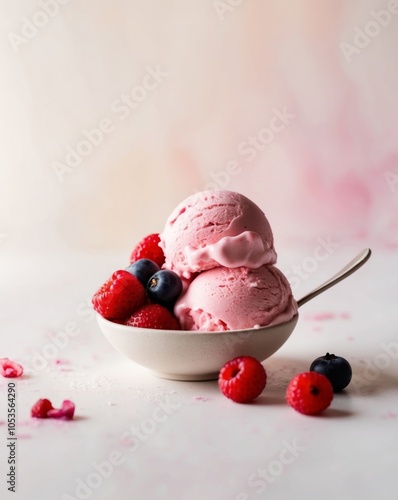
(202,446)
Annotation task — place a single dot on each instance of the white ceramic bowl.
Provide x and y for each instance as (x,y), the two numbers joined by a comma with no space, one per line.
(184,355)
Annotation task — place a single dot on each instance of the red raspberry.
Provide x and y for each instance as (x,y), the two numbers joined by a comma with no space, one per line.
(309,393)
(41,408)
(148,248)
(153,316)
(120,296)
(242,379)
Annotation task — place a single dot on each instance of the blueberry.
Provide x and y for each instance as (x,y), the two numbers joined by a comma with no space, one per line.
(143,269)
(335,368)
(164,287)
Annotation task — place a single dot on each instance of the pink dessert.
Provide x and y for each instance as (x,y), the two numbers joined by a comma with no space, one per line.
(236,298)
(221,245)
(216,228)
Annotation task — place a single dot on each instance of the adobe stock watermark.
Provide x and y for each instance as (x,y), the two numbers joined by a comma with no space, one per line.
(372,29)
(223,7)
(374,367)
(249,148)
(253,144)
(30,28)
(121,107)
(264,476)
(392,180)
(309,265)
(236,339)
(61,340)
(133,437)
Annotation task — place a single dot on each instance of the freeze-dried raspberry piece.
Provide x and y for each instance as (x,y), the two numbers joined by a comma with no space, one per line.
(41,408)
(44,409)
(66,412)
(10,369)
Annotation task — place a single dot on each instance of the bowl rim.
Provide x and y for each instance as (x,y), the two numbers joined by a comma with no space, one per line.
(135,329)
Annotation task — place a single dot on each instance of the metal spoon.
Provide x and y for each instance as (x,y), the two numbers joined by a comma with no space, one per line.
(350,268)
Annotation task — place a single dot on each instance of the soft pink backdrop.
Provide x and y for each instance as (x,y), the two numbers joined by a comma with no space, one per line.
(325,173)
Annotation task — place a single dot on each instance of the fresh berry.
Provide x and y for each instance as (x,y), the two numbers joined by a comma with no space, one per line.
(335,368)
(10,369)
(120,296)
(143,269)
(66,412)
(164,287)
(309,393)
(41,408)
(153,316)
(148,248)
(242,379)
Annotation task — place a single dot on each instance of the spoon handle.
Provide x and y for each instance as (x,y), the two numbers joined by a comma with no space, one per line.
(350,268)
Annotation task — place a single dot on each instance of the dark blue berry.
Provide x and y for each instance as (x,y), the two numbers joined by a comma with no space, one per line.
(143,269)
(335,368)
(164,287)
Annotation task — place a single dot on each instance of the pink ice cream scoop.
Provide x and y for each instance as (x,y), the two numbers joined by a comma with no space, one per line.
(216,228)
(224,299)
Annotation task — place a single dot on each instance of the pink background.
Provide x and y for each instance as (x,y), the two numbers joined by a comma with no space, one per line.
(229,66)
(328,175)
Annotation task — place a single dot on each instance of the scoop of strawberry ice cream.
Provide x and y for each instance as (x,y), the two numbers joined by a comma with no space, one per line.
(222,299)
(216,228)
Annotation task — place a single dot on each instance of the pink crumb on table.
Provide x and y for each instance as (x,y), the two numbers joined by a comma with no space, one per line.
(325,316)
(29,423)
(391,245)
(128,441)
(389,414)
(202,399)
(49,334)
(61,362)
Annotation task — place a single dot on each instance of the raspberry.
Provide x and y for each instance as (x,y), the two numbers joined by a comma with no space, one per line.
(41,408)
(148,248)
(242,379)
(66,412)
(309,393)
(120,296)
(10,369)
(153,316)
